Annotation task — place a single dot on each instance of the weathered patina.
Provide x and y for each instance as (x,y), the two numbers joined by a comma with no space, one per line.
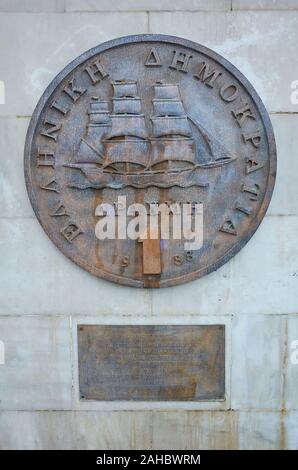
(156,119)
(160,362)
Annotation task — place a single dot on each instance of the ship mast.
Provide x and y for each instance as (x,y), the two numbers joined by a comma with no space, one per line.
(126,143)
(91,148)
(171,133)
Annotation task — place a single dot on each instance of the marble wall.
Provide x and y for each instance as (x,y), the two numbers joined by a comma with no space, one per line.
(43,295)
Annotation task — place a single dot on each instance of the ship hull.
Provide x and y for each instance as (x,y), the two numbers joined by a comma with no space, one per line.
(98,178)
(129,151)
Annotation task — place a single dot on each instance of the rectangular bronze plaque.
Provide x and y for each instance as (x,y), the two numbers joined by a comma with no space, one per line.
(152,362)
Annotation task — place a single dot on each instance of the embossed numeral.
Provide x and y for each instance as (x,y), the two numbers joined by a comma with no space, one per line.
(151,256)
(124,261)
(179,259)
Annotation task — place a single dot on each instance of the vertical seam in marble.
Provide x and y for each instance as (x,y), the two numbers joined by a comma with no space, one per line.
(151,303)
(72,362)
(229,357)
(231,360)
(284,361)
(148,21)
(132,431)
(151,430)
(284,364)
(236,416)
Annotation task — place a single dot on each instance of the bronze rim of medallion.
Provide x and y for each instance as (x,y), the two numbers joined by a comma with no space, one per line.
(155,38)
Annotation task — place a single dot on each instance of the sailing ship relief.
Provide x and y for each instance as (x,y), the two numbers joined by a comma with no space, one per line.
(120,151)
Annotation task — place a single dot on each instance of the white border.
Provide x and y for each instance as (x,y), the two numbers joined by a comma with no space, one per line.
(94,405)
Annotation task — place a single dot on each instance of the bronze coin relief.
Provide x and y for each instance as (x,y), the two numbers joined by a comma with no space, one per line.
(157,120)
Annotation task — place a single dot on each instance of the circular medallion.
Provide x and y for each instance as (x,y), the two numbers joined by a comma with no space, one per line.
(150,161)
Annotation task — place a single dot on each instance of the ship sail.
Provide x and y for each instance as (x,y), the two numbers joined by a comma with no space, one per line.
(98,113)
(124,125)
(127,140)
(125,88)
(163,107)
(90,148)
(171,126)
(117,152)
(87,153)
(126,105)
(126,118)
(171,133)
(167,91)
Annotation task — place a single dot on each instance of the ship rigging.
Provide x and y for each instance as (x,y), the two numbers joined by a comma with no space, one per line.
(118,145)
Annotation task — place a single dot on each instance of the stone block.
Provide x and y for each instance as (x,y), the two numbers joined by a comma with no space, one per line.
(32,6)
(264,273)
(46,43)
(14,200)
(147,5)
(39,279)
(64,431)
(259,430)
(248,39)
(290,430)
(195,430)
(37,370)
(264,4)
(257,354)
(285,195)
(261,278)
(291,364)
